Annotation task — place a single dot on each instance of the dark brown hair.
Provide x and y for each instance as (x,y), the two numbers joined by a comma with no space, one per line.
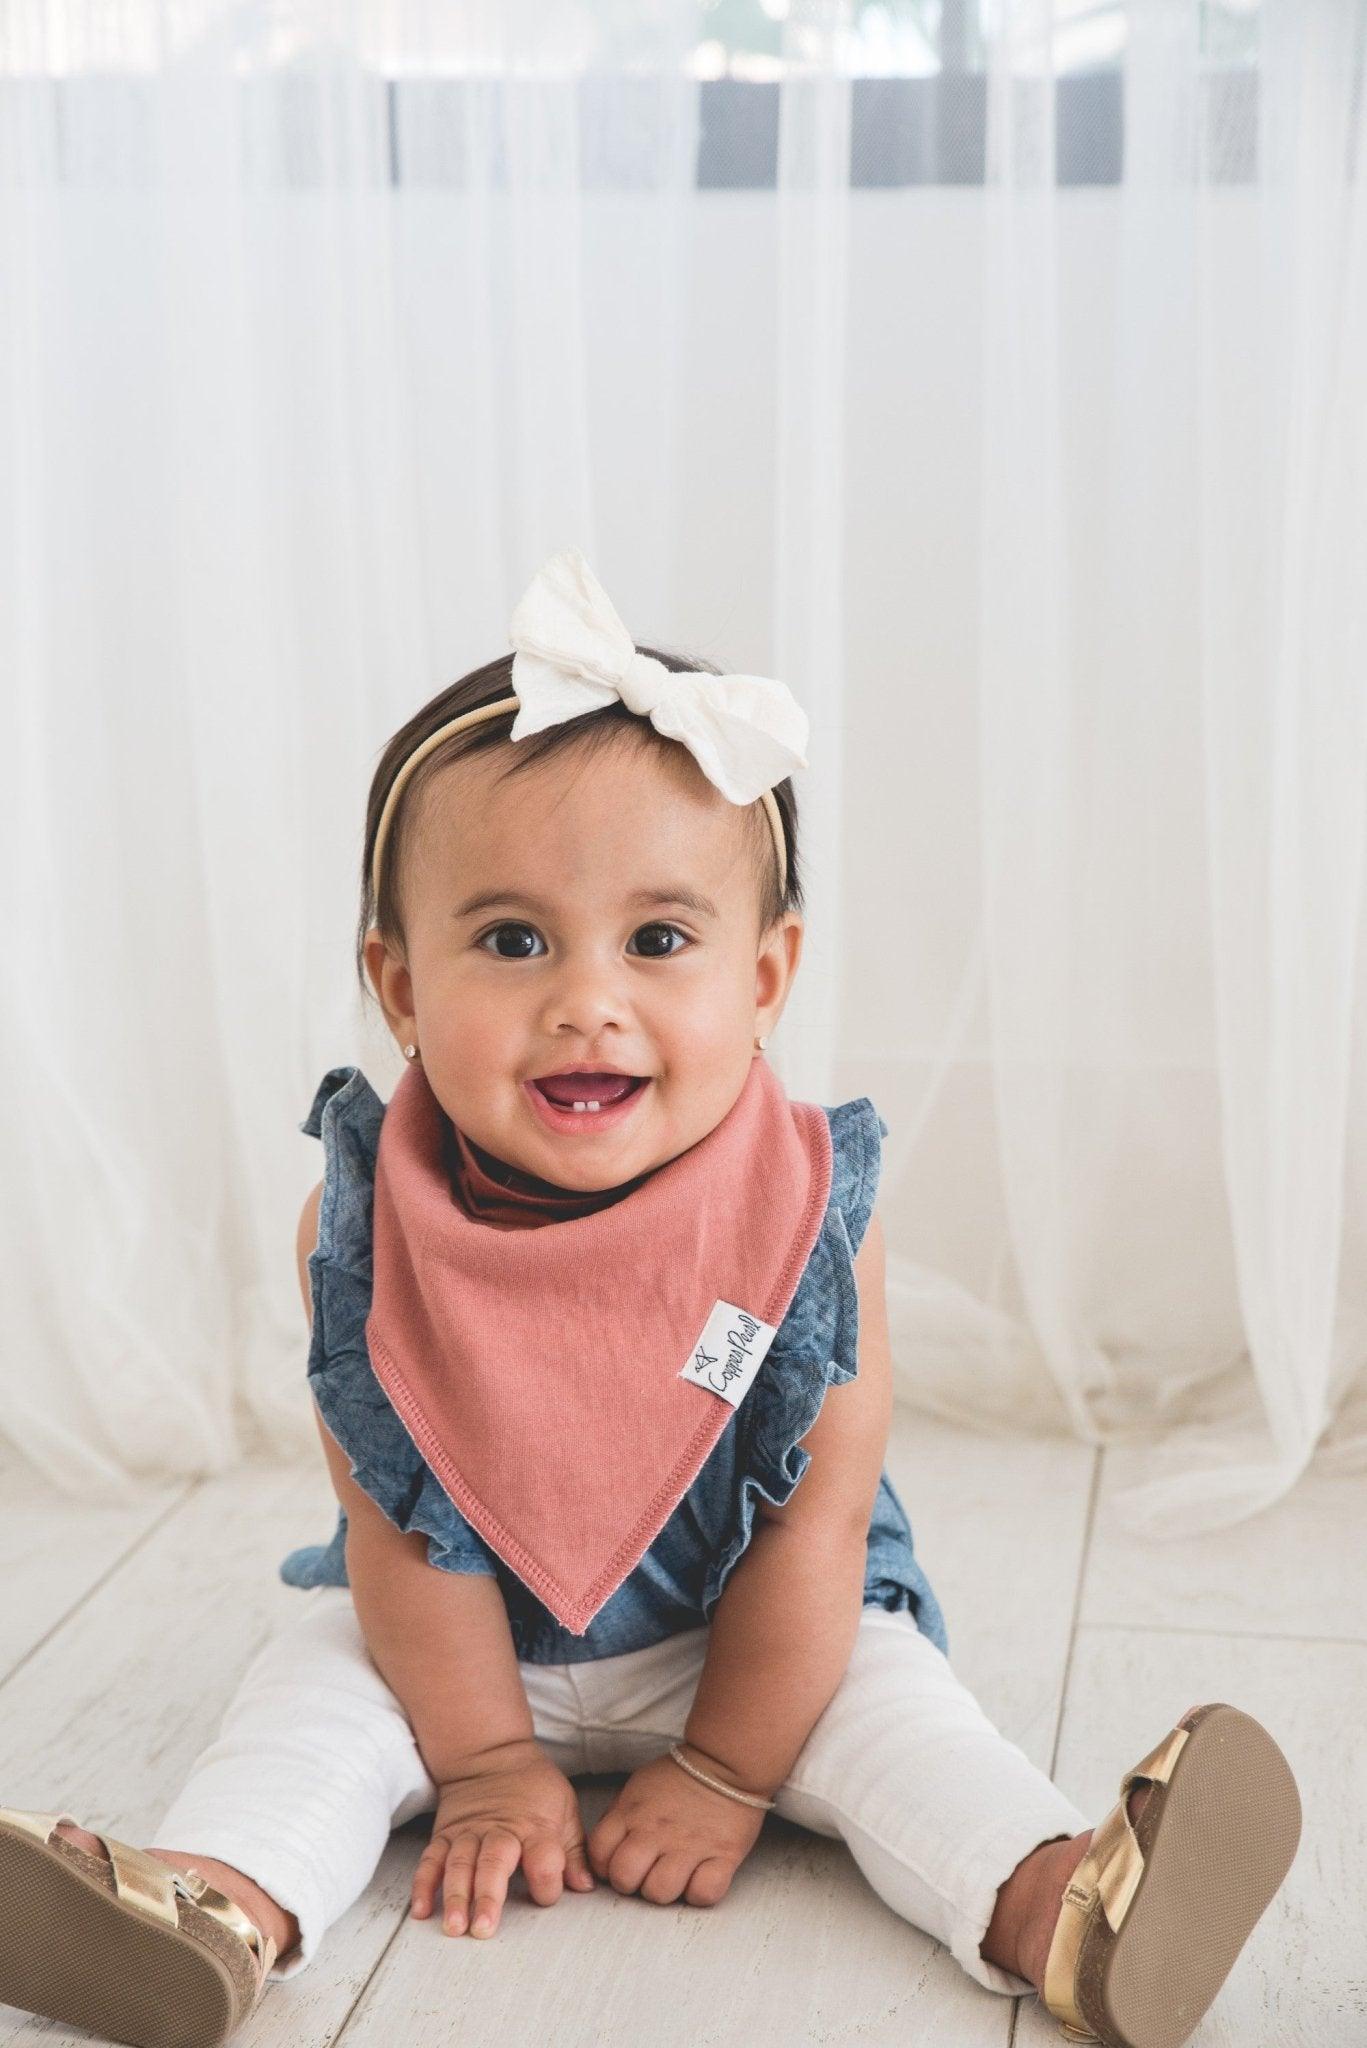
(591,731)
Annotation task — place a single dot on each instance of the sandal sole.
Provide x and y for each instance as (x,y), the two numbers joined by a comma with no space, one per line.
(70,1950)
(1217,1840)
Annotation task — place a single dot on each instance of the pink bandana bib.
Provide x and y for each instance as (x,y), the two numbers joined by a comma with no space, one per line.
(566,1383)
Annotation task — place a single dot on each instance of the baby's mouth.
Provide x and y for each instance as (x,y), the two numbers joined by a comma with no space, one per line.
(588,1091)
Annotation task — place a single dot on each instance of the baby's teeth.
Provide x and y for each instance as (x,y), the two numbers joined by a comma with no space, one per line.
(587,1105)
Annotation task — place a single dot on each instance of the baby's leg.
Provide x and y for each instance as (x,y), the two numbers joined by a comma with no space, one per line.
(314,1764)
(938,1808)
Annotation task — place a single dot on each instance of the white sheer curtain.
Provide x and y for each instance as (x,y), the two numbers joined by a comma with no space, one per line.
(1010,404)
(1173,738)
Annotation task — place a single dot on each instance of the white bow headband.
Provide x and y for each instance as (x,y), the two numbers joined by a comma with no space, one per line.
(573,654)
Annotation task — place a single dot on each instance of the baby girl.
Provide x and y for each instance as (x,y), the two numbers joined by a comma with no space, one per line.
(599,1352)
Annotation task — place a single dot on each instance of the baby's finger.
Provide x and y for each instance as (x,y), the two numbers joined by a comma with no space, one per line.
(577,1871)
(604,1839)
(500,1852)
(457,1876)
(543,1862)
(427,1877)
(664,1882)
(710,1882)
(632,1858)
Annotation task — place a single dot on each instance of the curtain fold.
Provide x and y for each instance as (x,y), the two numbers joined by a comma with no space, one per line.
(811,200)
(1001,389)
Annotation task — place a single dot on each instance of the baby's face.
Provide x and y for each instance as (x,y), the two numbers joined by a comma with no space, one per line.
(550,926)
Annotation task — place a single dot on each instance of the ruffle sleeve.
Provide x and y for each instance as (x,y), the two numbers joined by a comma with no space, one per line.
(385,1462)
(817,1343)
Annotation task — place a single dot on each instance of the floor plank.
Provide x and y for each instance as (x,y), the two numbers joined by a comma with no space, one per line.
(55,1547)
(1295,1569)
(1000,1526)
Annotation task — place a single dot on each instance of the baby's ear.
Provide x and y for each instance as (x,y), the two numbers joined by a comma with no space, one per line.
(794,932)
(392,983)
(375,954)
(780,951)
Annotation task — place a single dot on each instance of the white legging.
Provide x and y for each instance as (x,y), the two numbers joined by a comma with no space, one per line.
(315,1763)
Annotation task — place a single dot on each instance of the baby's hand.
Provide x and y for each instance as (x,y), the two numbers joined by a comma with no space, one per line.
(665,1835)
(511,1807)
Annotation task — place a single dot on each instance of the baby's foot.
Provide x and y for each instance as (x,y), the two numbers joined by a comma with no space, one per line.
(1153,1935)
(117,1959)
(260,1908)
(1054,1864)
(92,1844)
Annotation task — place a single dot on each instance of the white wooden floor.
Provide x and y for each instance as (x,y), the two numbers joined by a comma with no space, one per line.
(122,1635)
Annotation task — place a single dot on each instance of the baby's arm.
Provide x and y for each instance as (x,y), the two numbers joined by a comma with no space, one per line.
(439,1639)
(785,1625)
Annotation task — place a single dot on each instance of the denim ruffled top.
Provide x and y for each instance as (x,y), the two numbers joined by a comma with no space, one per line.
(680,1578)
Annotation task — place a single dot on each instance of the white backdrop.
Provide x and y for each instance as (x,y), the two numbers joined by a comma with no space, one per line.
(1049,498)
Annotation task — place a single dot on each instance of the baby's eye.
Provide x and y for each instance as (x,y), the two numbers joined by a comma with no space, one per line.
(496,930)
(667,930)
(524,931)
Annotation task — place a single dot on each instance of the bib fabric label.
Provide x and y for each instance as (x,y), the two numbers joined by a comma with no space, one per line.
(729,1352)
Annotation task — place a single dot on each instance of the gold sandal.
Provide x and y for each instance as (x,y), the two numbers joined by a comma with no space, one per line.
(1157,1911)
(131,1949)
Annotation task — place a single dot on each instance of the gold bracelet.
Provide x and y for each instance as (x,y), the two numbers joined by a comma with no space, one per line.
(747,1798)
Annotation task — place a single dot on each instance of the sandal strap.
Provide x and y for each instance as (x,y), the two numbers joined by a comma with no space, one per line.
(1157,1765)
(1107,1875)
(153,1887)
(193,1885)
(1119,1860)
(1059,1991)
(141,1880)
(39,1825)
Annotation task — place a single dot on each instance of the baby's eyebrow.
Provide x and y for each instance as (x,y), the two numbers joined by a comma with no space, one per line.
(689,899)
(639,899)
